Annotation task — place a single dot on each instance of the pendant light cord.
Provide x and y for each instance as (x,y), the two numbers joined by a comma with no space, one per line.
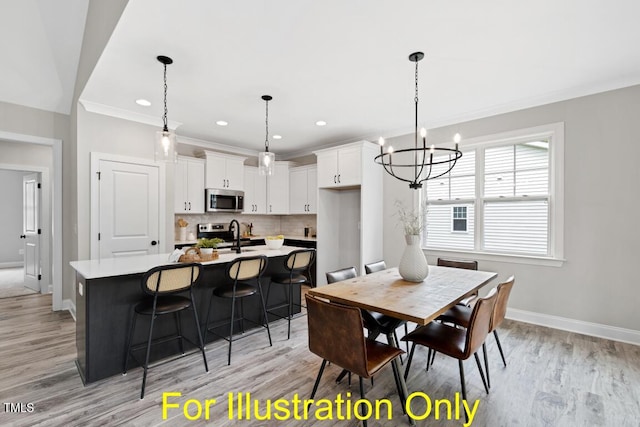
(164,118)
(266,122)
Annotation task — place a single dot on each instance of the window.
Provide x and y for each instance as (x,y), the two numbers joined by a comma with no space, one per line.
(504,196)
(459,219)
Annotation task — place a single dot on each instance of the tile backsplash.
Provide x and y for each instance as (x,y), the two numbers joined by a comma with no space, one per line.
(263,225)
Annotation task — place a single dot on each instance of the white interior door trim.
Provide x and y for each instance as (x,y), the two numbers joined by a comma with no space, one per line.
(55,232)
(96,157)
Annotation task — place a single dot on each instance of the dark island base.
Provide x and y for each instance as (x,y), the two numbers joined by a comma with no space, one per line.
(103,316)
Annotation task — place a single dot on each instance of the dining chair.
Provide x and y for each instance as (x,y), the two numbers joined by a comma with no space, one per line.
(240,273)
(465,264)
(297,263)
(457,343)
(374,267)
(336,335)
(461,316)
(162,287)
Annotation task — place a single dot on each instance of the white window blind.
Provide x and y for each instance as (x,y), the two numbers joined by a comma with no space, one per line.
(503,189)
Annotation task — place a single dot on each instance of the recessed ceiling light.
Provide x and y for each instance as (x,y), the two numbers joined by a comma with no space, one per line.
(143,102)
(277,137)
(321,123)
(221,123)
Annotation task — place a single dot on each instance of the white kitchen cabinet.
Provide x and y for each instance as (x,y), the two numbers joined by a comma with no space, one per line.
(349,215)
(188,195)
(267,194)
(303,190)
(278,190)
(255,191)
(224,171)
(340,167)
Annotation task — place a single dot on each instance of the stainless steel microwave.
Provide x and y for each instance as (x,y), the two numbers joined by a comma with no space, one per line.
(217,200)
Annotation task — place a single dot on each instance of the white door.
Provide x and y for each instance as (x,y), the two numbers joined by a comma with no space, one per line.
(129,214)
(30,230)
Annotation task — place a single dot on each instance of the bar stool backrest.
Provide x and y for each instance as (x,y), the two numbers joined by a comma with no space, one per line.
(246,268)
(171,278)
(300,259)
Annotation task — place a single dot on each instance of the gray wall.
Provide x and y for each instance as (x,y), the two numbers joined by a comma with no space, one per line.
(598,281)
(11,216)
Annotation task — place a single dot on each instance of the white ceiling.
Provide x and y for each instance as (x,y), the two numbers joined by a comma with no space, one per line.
(40,43)
(345,62)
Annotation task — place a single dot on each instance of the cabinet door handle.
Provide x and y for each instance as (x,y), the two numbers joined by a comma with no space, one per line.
(189,205)
(338,178)
(270,208)
(185,206)
(335,179)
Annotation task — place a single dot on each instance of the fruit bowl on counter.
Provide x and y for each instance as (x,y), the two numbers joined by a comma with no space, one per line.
(274,242)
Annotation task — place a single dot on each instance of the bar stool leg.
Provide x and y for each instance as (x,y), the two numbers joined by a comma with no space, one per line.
(200,340)
(233,309)
(206,323)
(264,313)
(290,308)
(146,359)
(134,317)
(179,325)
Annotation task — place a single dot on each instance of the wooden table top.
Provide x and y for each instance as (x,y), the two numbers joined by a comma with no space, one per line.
(386,292)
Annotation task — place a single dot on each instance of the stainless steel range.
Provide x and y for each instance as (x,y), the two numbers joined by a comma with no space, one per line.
(222,231)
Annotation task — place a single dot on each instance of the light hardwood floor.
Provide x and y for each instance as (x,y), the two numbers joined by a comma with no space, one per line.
(554,378)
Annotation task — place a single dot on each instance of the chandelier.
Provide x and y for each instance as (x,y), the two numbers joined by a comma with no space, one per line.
(420,163)
(165,140)
(265,158)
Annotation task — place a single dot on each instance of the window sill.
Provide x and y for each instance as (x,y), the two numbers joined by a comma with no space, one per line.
(486,256)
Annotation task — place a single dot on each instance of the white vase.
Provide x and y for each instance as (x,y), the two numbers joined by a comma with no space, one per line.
(413,264)
(182,237)
(206,251)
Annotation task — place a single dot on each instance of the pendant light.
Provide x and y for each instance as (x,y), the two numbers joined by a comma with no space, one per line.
(266,159)
(420,163)
(165,147)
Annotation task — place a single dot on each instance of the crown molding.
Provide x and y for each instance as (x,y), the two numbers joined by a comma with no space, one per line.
(216,146)
(106,110)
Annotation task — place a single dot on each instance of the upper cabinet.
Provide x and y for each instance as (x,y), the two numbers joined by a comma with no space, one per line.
(340,166)
(267,194)
(188,195)
(278,189)
(255,191)
(303,190)
(224,171)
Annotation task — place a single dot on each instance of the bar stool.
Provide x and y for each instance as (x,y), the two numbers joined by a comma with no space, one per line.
(240,271)
(161,286)
(297,263)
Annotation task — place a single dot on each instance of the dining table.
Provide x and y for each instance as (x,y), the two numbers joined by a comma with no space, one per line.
(388,293)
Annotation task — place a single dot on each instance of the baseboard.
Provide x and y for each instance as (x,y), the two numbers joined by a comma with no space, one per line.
(614,333)
(12,264)
(68,305)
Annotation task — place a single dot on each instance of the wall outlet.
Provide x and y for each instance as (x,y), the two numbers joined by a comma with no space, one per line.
(20,251)
(80,288)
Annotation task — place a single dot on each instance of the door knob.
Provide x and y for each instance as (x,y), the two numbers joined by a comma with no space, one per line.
(22,236)
(153,243)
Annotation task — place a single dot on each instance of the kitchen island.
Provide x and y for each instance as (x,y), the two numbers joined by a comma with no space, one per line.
(107,290)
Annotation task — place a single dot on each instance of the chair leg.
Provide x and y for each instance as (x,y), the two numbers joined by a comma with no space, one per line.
(179,327)
(233,309)
(394,336)
(484,381)
(364,422)
(495,334)
(464,388)
(403,393)
(134,316)
(200,340)
(264,313)
(146,359)
(486,363)
(315,386)
(290,310)
(406,332)
(206,323)
(431,356)
(408,367)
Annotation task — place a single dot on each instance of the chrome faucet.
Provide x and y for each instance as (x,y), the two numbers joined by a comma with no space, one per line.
(236,228)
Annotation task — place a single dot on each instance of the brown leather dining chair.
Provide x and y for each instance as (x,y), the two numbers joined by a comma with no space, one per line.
(461,316)
(465,264)
(336,335)
(457,343)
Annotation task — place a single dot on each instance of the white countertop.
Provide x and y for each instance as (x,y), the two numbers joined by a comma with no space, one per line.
(109,267)
(193,242)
